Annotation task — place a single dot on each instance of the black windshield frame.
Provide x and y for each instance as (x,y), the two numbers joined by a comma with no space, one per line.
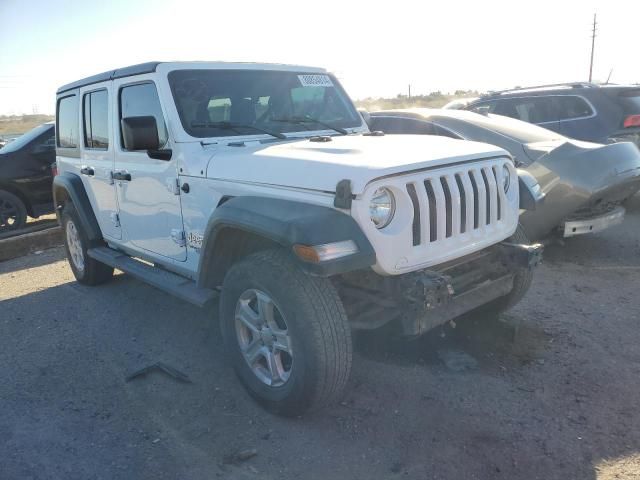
(193,101)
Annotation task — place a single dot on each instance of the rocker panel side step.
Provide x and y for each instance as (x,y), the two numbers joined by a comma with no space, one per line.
(176,285)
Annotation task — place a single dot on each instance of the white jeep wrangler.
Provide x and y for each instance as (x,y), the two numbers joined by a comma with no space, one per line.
(261,185)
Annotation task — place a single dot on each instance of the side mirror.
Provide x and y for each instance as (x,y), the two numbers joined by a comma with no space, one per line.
(140,133)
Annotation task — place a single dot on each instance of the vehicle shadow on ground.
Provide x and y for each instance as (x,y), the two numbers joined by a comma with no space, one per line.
(45,257)
(474,340)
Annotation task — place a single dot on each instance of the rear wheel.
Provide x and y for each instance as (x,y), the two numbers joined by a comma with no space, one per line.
(13,212)
(86,270)
(286,333)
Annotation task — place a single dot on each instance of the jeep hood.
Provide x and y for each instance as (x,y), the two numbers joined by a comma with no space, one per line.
(321,165)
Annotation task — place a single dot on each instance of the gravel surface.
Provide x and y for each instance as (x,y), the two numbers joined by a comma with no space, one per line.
(549,392)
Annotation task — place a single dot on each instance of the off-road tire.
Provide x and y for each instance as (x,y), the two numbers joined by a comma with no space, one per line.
(521,280)
(93,272)
(8,201)
(317,324)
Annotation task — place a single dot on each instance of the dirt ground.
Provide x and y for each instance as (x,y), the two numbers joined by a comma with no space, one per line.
(552,393)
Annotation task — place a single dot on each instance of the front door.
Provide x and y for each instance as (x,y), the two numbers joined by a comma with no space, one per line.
(148,194)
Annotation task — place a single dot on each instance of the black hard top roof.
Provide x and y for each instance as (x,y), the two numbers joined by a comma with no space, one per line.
(139,69)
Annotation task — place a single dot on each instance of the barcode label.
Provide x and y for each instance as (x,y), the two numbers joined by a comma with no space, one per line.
(315,81)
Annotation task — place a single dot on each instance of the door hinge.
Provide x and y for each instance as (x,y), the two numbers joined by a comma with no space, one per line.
(115,218)
(178,237)
(173,185)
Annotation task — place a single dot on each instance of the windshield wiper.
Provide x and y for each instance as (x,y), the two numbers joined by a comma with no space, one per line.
(235,126)
(307,119)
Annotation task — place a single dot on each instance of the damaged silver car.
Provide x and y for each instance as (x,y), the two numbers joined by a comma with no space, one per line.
(585,184)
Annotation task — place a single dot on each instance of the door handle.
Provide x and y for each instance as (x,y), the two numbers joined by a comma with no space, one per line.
(87,171)
(122,176)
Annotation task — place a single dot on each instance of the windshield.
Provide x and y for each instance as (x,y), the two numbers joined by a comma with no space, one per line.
(221,103)
(25,139)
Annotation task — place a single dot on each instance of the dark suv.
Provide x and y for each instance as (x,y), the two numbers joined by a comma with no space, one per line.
(585,111)
(26,177)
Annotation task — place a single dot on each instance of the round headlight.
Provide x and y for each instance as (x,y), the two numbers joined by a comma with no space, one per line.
(382,207)
(506,178)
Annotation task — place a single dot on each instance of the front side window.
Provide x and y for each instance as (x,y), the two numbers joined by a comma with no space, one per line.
(67,122)
(527,109)
(96,120)
(217,103)
(141,100)
(572,107)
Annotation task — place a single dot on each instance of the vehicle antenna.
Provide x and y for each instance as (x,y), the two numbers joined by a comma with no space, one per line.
(609,77)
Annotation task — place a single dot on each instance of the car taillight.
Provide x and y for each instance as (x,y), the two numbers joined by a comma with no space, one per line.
(632,121)
(54,169)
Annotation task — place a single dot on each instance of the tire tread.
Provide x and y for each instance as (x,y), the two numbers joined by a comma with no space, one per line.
(330,332)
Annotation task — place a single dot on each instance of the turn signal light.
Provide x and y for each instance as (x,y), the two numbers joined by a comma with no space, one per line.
(326,252)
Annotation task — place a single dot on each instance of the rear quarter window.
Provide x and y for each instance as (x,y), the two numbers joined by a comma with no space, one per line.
(570,107)
(67,122)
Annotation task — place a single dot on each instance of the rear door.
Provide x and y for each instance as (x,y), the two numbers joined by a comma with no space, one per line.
(149,202)
(576,117)
(96,156)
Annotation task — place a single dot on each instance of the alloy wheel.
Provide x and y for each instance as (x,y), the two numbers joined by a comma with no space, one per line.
(263,337)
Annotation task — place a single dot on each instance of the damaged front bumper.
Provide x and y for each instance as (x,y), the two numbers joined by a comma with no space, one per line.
(595,223)
(469,285)
(424,299)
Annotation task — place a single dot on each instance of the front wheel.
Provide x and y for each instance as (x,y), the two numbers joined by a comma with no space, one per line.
(285,332)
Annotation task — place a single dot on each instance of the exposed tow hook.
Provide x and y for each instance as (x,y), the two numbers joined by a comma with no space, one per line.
(431,289)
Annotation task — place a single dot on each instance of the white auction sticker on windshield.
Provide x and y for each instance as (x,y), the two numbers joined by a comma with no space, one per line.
(315,81)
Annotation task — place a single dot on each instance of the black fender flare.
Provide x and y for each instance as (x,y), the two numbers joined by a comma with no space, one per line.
(286,223)
(69,185)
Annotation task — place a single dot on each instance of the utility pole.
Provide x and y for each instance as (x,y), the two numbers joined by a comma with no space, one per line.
(593,44)
(409,90)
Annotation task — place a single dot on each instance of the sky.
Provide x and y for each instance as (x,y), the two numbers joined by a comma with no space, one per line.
(375,48)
